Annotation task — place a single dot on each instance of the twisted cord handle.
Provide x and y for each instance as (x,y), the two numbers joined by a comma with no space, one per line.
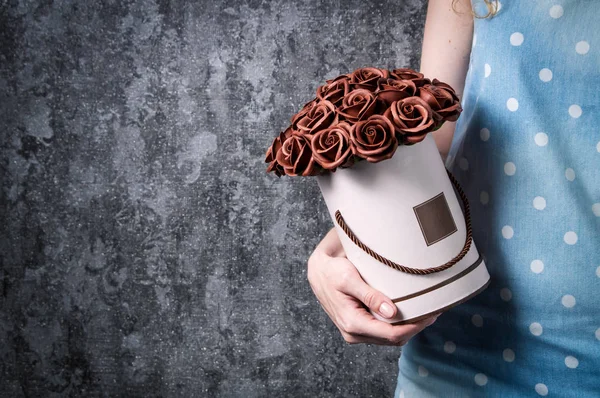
(416,271)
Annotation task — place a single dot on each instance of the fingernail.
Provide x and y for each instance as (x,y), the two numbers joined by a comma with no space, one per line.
(431,321)
(386,310)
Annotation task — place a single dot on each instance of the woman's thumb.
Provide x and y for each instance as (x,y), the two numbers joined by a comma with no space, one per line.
(374,299)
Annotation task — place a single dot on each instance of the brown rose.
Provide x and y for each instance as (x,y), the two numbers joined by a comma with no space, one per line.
(272,152)
(295,156)
(334,92)
(305,109)
(412,118)
(391,90)
(374,139)
(358,105)
(320,116)
(367,78)
(331,147)
(442,99)
(408,74)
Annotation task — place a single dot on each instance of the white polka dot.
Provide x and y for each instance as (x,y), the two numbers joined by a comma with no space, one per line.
(598,272)
(568,301)
(545,75)
(596,209)
(463,163)
(539,203)
(477,320)
(537,266)
(507,232)
(505,294)
(570,238)
(508,355)
(484,134)
(541,389)
(474,40)
(481,379)
(487,70)
(484,197)
(556,11)
(516,39)
(597,334)
(570,174)
(510,168)
(598,147)
(571,362)
(536,329)
(582,47)
(512,104)
(401,395)
(541,139)
(449,347)
(575,111)
(423,372)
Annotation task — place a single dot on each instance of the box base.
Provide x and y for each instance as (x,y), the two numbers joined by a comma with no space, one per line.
(464,286)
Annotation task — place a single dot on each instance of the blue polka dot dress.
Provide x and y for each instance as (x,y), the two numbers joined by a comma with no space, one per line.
(527,152)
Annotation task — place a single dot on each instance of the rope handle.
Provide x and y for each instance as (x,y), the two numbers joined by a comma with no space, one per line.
(416,271)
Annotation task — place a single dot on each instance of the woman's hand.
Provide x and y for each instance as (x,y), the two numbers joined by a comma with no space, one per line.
(342,293)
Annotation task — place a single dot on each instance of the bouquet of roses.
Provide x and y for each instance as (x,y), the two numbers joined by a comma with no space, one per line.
(363,115)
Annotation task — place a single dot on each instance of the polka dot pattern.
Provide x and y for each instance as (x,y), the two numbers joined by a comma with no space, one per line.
(568,301)
(481,379)
(484,134)
(508,355)
(582,47)
(539,203)
(541,389)
(556,11)
(570,238)
(512,104)
(506,294)
(536,329)
(516,39)
(545,75)
(449,347)
(507,232)
(571,362)
(575,111)
(541,139)
(537,266)
(510,169)
(422,370)
(526,150)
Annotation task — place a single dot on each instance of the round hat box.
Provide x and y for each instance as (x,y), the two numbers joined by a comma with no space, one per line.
(401,224)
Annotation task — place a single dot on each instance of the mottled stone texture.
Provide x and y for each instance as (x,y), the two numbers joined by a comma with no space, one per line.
(144,251)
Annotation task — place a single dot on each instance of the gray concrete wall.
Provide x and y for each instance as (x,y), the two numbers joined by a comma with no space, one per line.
(144,251)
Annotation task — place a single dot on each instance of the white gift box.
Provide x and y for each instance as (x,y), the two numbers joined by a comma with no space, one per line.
(405,209)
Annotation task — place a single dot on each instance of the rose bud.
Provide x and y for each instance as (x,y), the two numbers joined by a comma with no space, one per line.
(320,116)
(272,152)
(408,74)
(374,139)
(412,118)
(305,109)
(295,156)
(357,105)
(331,147)
(391,90)
(334,92)
(367,78)
(442,99)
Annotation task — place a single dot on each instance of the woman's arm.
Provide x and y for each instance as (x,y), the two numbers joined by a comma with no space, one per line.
(334,280)
(445,53)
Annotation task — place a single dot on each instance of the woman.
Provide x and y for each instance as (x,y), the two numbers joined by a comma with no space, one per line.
(527,152)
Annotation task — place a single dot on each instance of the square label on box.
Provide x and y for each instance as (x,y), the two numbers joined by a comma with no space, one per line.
(435,219)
